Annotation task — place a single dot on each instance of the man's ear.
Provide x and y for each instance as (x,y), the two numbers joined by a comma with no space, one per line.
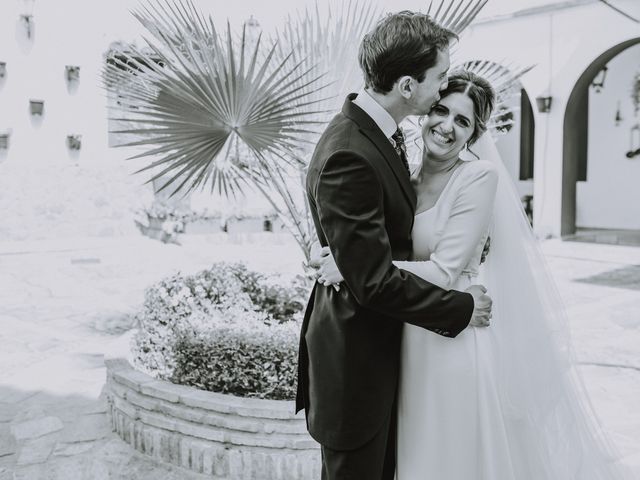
(405,86)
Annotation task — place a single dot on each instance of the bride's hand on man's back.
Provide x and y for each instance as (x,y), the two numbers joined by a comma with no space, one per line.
(327,272)
(481,306)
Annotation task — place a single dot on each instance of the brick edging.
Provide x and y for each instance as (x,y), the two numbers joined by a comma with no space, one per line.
(207,432)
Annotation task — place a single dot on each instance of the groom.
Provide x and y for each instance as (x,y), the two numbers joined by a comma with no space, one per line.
(363,208)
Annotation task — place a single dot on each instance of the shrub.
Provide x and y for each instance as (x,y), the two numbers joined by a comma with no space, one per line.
(190,325)
(238,353)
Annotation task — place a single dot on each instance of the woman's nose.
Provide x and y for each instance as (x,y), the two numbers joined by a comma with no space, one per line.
(447,125)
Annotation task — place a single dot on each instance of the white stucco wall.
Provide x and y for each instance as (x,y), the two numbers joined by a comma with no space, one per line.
(38,173)
(46,190)
(561,44)
(610,198)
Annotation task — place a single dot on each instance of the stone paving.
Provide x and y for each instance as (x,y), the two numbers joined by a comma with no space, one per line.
(64,305)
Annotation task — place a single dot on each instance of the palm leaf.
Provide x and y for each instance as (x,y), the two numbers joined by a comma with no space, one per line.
(455,15)
(198,93)
(504,77)
(210,108)
(329,41)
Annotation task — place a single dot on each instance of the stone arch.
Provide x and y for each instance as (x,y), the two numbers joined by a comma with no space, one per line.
(575,133)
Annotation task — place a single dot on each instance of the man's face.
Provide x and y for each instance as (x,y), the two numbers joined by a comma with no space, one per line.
(426,93)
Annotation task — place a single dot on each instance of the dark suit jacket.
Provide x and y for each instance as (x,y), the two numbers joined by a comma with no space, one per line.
(363,207)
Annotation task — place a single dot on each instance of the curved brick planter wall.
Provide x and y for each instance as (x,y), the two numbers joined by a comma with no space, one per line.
(225,436)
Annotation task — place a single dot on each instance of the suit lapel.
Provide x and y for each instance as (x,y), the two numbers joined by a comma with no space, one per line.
(371,130)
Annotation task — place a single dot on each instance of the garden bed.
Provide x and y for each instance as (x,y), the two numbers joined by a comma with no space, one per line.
(225,436)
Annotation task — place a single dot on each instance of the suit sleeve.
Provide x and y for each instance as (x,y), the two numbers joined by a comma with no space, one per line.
(350,209)
(465,228)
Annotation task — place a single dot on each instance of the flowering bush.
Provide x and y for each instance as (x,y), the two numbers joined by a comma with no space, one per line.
(224,308)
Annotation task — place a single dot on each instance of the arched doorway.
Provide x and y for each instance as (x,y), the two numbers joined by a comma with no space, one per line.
(576,133)
(516,148)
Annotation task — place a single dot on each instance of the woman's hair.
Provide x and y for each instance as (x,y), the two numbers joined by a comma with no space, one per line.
(403,43)
(481,94)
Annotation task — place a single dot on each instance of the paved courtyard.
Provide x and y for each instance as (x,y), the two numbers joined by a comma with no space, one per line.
(64,305)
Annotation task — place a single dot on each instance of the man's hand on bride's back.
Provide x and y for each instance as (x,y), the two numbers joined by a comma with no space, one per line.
(481,306)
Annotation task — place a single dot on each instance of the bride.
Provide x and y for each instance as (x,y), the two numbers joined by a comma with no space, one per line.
(504,402)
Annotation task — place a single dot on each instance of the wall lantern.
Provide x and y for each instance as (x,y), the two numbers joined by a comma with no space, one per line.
(36,107)
(73,73)
(598,81)
(3,69)
(74,142)
(4,141)
(618,118)
(544,104)
(634,146)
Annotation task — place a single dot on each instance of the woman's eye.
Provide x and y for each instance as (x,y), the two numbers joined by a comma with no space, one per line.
(438,110)
(463,123)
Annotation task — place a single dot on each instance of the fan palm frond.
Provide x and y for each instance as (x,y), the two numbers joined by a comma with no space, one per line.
(455,15)
(504,77)
(330,40)
(200,99)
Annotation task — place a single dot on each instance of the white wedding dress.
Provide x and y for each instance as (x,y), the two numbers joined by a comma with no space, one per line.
(449,419)
(502,402)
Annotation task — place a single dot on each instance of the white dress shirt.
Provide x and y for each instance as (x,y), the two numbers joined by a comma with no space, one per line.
(378,114)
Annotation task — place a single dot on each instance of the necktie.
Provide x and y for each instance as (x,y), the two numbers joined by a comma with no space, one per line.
(401,149)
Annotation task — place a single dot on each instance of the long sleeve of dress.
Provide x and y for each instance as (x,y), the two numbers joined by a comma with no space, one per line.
(472,206)
(351,215)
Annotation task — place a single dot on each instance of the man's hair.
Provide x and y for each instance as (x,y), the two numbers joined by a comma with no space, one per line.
(481,94)
(403,43)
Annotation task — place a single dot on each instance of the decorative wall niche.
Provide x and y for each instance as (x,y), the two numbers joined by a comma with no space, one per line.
(36,107)
(72,78)
(73,73)
(4,141)
(74,142)
(26,17)
(27,24)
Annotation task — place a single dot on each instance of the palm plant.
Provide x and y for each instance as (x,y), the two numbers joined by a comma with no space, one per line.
(327,43)
(505,81)
(214,110)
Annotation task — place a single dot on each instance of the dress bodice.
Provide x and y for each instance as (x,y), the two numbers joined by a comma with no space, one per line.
(449,237)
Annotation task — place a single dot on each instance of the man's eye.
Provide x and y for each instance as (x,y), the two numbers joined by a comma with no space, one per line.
(438,110)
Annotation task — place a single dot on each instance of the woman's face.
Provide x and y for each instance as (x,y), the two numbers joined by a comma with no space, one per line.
(449,126)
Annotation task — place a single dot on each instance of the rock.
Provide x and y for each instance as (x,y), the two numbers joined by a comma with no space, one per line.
(70,449)
(36,451)
(7,442)
(87,428)
(36,427)
(29,413)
